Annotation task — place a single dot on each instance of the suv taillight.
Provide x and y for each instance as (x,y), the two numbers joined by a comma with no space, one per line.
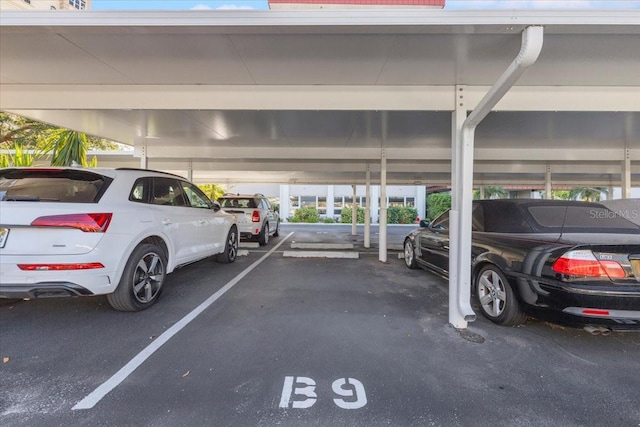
(255,217)
(90,222)
(584,263)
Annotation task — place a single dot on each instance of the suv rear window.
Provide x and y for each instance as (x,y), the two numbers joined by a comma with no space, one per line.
(52,185)
(238,202)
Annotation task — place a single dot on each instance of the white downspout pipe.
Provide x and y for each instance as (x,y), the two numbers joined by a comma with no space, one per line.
(460,311)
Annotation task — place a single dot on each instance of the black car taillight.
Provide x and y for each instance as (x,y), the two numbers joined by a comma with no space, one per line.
(584,263)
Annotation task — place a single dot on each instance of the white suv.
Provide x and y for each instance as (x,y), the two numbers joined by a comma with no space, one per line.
(256,217)
(119,232)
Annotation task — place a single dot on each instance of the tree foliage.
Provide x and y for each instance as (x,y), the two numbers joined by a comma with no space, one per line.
(401,215)
(436,204)
(213,191)
(307,214)
(587,194)
(491,192)
(26,142)
(345,215)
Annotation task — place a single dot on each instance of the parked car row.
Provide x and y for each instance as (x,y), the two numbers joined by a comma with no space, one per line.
(569,262)
(119,232)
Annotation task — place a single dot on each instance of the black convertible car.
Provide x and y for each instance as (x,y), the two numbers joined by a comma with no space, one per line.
(573,263)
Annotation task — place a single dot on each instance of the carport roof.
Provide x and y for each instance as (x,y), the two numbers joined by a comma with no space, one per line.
(314,96)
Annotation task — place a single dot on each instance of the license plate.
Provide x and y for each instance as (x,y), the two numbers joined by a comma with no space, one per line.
(4,233)
(635,265)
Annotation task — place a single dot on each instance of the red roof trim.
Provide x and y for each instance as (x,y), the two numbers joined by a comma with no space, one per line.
(436,3)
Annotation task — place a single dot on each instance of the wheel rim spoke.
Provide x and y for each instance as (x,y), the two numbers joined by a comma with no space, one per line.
(496,307)
(137,287)
(485,300)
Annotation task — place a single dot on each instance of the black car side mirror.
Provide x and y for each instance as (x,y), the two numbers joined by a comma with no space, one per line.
(424,223)
(216,206)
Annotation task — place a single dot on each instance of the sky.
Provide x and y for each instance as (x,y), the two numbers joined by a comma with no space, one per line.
(450,4)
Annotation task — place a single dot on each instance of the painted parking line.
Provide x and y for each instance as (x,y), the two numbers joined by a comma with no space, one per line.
(95,396)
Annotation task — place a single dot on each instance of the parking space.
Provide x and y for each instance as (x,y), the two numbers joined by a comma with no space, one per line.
(309,341)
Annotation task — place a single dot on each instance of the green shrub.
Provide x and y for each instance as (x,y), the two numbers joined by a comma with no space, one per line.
(308,214)
(401,215)
(329,220)
(436,204)
(345,216)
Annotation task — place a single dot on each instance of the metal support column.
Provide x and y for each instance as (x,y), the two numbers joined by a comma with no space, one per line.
(547,183)
(367,209)
(354,212)
(382,237)
(284,202)
(626,173)
(460,311)
(190,171)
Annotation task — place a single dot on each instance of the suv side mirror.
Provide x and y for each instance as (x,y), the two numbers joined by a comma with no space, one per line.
(424,223)
(216,206)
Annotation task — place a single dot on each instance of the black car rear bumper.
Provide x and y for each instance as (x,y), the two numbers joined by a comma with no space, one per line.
(43,290)
(579,304)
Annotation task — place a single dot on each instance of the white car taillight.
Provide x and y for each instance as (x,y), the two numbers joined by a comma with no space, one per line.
(89,222)
(59,267)
(255,217)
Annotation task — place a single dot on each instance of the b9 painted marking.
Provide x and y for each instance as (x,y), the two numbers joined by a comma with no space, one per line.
(305,387)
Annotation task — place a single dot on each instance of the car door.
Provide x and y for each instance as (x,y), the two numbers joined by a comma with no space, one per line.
(272,217)
(210,227)
(434,244)
(176,219)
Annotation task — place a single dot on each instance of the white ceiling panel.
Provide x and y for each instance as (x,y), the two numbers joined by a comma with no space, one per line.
(174,77)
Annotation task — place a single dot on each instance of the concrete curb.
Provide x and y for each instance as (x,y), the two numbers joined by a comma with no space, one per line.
(321,245)
(320,254)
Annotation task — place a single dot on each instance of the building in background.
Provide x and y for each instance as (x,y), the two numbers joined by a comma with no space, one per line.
(330,199)
(350,4)
(45,4)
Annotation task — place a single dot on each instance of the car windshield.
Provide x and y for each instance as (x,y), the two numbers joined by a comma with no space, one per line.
(51,185)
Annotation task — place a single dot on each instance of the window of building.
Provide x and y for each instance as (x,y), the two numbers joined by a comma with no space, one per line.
(294,202)
(395,202)
(348,201)
(78,4)
(308,201)
(322,205)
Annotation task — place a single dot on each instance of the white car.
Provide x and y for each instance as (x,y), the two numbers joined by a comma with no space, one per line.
(257,220)
(119,232)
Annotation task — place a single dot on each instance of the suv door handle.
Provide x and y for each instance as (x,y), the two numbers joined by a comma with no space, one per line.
(166,221)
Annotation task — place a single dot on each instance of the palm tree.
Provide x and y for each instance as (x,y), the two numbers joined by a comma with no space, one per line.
(587,194)
(19,157)
(491,192)
(67,148)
